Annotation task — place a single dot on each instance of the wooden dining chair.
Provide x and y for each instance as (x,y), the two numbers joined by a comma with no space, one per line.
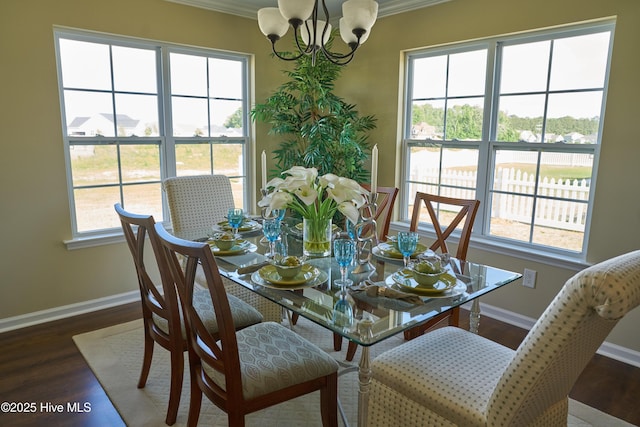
(243,371)
(160,310)
(384,212)
(196,204)
(450,376)
(466,214)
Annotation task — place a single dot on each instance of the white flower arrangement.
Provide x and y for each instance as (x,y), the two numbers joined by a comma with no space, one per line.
(313,196)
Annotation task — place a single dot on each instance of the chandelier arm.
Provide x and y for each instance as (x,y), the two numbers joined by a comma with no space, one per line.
(285,58)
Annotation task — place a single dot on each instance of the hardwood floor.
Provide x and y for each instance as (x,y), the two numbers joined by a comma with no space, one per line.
(42,365)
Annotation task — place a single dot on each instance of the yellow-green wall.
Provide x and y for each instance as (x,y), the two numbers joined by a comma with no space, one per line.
(39,273)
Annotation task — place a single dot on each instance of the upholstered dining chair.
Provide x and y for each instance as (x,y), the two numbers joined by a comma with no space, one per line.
(450,376)
(386,200)
(243,371)
(160,308)
(196,204)
(465,216)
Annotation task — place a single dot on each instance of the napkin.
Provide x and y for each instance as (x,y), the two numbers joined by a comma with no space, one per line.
(373,290)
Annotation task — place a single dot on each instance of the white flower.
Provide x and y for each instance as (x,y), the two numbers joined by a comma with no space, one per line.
(314,196)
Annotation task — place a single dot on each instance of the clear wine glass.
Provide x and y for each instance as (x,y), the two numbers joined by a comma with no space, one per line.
(344,250)
(407,244)
(271,230)
(235,216)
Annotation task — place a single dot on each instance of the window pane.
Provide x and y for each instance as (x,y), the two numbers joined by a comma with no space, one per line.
(190,117)
(193,159)
(427,120)
(88,113)
(94,165)
(464,119)
(549,213)
(574,117)
(520,118)
(94,208)
(85,65)
(225,78)
(188,75)
(525,67)
(140,163)
(429,77)
(145,198)
(227,159)
(459,172)
(137,115)
(511,216)
(424,164)
(226,118)
(514,183)
(134,70)
(580,62)
(467,73)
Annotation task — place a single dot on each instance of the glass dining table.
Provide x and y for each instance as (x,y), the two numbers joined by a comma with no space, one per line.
(371,318)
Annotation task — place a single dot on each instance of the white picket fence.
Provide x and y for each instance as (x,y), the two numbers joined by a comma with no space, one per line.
(565,209)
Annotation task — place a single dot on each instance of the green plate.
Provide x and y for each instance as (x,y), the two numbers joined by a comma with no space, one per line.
(404,279)
(247,225)
(240,247)
(390,250)
(307,273)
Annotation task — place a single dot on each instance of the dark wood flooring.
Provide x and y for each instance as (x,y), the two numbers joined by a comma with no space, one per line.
(41,365)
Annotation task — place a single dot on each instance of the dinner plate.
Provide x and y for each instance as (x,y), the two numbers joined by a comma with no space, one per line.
(270,274)
(318,278)
(390,250)
(247,225)
(241,247)
(448,286)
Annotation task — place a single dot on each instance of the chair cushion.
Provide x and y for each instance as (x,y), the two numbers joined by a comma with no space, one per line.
(450,371)
(273,357)
(243,314)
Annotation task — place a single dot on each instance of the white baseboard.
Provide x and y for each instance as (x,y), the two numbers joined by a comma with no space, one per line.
(607,349)
(56,313)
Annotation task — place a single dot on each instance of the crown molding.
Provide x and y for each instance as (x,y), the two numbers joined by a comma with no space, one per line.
(249,9)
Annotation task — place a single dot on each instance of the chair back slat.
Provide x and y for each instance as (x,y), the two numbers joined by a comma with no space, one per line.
(433,203)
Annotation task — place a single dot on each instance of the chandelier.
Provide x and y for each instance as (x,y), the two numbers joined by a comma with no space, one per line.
(358,16)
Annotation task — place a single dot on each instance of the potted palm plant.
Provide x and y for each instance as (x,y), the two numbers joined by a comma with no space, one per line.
(319,129)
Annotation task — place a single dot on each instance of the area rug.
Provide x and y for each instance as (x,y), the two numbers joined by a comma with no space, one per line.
(115,356)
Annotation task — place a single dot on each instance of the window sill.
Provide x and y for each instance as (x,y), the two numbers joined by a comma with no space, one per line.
(94,240)
(502,248)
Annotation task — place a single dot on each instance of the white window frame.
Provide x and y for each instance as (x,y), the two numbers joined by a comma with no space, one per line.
(488,145)
(166,140)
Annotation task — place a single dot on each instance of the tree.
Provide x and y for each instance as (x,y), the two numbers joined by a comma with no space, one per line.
(234,121)
(319,129)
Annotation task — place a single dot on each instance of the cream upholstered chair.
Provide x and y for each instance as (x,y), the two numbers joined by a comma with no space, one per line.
(452,377)
(196,203)
(244,371)
(160,310)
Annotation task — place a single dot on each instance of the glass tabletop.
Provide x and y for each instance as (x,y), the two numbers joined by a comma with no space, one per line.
(313,295)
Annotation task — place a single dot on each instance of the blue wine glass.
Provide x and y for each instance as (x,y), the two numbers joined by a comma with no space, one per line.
(344,250)
(235,216)
(407,244)
(271,230)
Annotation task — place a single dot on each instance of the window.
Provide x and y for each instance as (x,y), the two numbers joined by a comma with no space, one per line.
(516,123)
(136,112)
